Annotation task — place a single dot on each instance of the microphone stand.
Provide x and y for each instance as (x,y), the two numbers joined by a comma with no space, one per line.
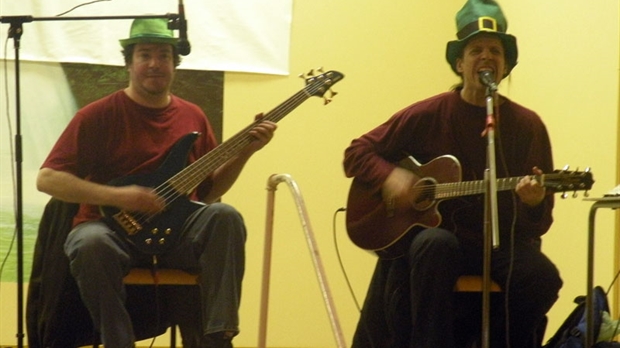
(491,229)
(15,32)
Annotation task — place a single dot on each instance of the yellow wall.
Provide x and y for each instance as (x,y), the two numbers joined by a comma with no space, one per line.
(392,53)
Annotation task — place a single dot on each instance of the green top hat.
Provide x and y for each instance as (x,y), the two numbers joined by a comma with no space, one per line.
(149,30)
(482,16)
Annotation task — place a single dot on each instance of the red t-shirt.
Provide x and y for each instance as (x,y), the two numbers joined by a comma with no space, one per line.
(115,137)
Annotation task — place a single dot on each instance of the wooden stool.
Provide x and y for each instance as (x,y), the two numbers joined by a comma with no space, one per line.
(165,276)
(473,283)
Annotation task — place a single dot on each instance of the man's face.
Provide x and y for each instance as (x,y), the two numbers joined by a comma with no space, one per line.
(482,52)
(152,68)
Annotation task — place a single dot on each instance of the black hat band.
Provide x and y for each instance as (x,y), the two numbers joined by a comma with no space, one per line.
(482,24)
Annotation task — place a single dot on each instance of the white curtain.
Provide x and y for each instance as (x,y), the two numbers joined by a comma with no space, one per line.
(225,35)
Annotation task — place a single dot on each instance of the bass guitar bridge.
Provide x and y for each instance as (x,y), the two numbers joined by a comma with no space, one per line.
(127,222)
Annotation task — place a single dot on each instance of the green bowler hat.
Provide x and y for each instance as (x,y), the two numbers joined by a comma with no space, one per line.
(149,30)
(482,16)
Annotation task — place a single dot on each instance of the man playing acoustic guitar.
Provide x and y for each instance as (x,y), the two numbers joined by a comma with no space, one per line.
(410,301)
(131,133)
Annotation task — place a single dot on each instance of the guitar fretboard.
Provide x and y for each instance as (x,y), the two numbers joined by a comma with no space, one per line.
(466,188)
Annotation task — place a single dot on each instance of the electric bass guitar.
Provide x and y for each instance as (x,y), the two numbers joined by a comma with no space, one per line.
(157,233)
(375,225)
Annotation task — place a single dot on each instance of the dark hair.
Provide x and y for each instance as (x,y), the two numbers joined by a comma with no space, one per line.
(128,54)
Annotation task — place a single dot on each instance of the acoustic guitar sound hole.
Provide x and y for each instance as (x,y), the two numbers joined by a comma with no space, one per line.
(423,194)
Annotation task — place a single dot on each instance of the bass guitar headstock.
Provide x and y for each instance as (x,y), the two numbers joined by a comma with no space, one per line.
(319,85)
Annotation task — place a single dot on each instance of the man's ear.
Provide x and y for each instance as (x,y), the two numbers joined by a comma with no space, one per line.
(459,66)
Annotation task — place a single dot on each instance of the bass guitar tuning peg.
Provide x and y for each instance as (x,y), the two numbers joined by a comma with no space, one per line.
(332,94)
(565,168)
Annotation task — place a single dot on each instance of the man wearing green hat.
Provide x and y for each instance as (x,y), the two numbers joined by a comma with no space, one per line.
(411,300)
(130,132)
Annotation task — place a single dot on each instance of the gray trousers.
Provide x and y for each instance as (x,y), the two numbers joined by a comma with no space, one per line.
(213,244)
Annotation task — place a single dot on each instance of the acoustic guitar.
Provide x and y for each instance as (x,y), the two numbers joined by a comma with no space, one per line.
(375,226)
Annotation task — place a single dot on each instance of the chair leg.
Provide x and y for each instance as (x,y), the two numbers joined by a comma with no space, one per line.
(173,336)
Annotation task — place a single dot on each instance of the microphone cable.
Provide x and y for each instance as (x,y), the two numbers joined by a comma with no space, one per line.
(12,155)
(80,5)
(339,256)
(346,278)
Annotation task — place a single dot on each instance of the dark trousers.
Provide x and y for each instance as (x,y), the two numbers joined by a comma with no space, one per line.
(411,303)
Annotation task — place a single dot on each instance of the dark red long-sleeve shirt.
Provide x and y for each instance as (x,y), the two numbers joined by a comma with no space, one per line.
(447,125)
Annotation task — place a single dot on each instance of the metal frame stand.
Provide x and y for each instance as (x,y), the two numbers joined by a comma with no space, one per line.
(273,181)
(605,202)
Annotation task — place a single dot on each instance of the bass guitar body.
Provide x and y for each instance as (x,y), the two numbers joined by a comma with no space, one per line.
(156,234)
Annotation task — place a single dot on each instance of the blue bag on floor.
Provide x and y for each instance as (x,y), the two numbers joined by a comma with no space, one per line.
(572,332)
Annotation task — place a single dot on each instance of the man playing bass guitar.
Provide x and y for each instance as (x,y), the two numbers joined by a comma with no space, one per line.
(130,133)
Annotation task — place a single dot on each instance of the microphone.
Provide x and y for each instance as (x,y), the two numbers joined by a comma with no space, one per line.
(183,45)
(488,79)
